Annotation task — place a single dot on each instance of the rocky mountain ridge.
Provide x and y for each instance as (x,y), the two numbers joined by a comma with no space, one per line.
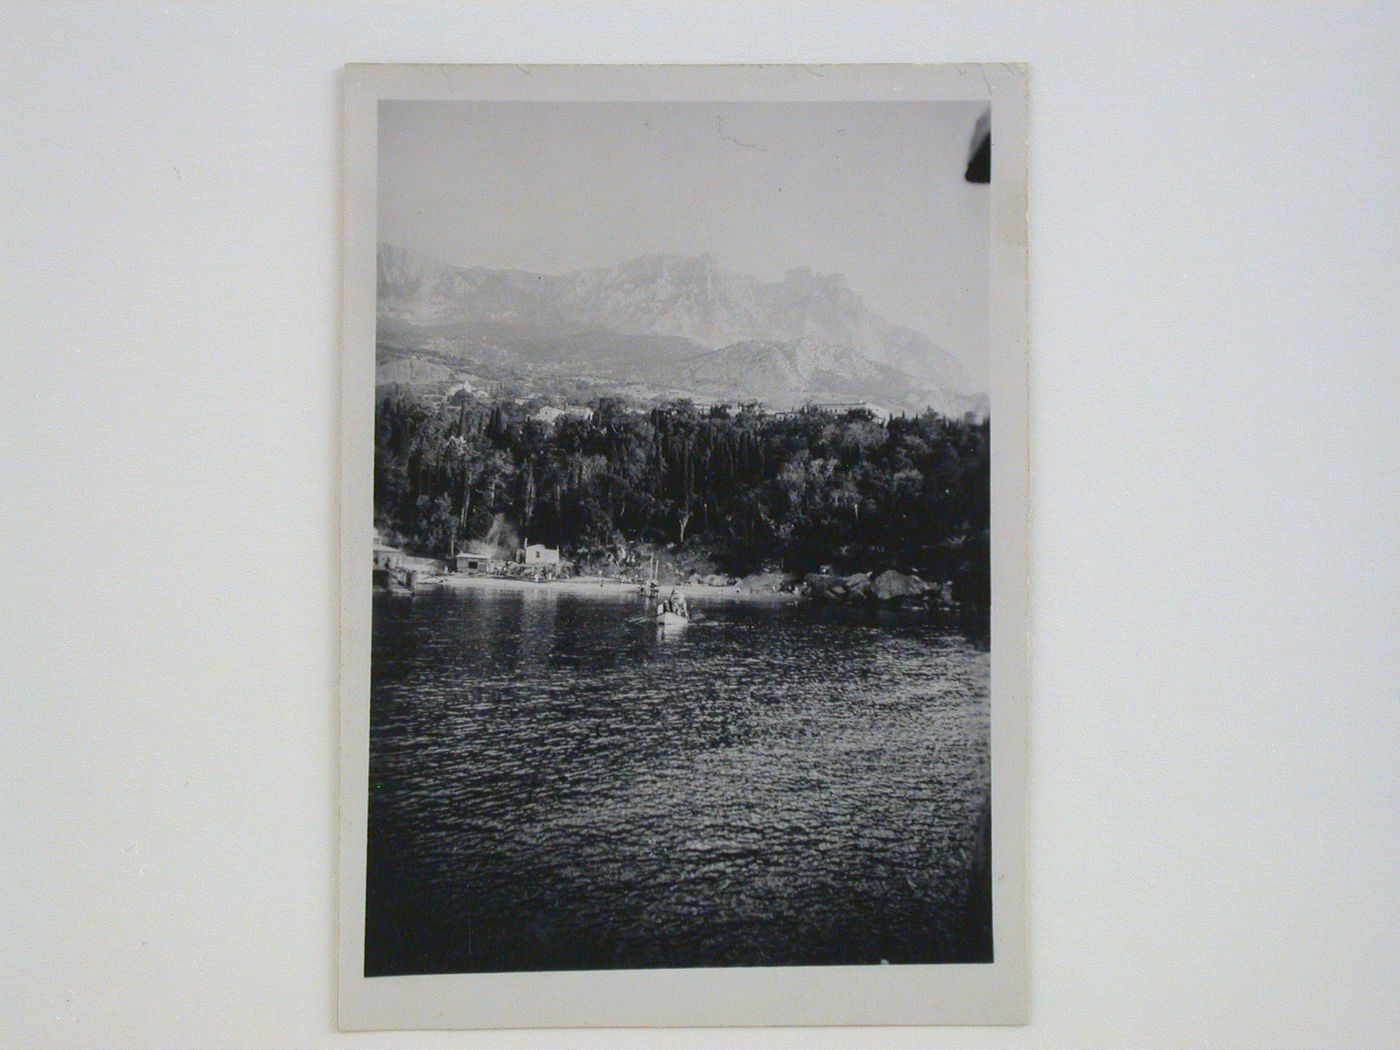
(731,334)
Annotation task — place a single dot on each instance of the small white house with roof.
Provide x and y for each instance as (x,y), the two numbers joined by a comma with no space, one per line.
(537,554)
(385,555)
(477,560)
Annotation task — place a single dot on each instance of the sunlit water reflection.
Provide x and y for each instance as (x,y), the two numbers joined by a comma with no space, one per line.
(555,787)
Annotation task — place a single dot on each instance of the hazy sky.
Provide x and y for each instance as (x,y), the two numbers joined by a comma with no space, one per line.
(873,190)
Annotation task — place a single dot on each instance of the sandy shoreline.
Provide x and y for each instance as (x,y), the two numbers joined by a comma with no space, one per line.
(600,585)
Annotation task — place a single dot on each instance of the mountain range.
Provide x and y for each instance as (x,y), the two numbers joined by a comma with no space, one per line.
(685,322)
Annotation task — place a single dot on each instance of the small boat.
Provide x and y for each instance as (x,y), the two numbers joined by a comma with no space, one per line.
(670,616)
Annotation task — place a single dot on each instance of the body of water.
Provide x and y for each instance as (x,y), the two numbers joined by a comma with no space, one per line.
(553,786)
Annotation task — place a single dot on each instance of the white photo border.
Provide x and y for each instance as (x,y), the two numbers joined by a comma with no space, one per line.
(945,994)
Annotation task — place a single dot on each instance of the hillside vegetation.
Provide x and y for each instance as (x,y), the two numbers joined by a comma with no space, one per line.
(746,491)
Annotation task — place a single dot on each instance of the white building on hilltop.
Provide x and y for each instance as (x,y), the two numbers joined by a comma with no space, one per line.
(550,414)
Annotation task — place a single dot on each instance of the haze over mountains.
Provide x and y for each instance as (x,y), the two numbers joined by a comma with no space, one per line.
(684,323)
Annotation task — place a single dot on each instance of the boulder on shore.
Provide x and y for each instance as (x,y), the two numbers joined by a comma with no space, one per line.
(716,580)
(762,583)
(858,585)
(891,584)
(820,583)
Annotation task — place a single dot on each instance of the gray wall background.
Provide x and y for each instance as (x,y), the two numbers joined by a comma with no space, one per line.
(1213,239)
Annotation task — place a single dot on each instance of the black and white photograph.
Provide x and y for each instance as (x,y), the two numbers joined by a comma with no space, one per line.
(723,526)
(680,592)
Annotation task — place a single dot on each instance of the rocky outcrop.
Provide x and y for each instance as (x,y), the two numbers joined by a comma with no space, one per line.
(809,329)
(890,585)
(888,588)
(858,586)
(764,583)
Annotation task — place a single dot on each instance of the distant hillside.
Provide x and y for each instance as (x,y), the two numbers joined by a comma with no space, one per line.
(789,374)
(654,318)
(411,371)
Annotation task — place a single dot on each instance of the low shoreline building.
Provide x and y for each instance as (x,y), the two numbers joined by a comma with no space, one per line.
(385,556)
(477,561)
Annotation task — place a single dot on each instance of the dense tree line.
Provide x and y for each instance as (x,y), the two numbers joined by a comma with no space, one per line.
(751,490)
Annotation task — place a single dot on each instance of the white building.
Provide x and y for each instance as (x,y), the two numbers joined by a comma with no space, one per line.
(386,556)
(550,414)
(539,554)
(477,561)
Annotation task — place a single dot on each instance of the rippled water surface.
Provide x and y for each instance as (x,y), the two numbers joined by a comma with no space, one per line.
(554,787)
